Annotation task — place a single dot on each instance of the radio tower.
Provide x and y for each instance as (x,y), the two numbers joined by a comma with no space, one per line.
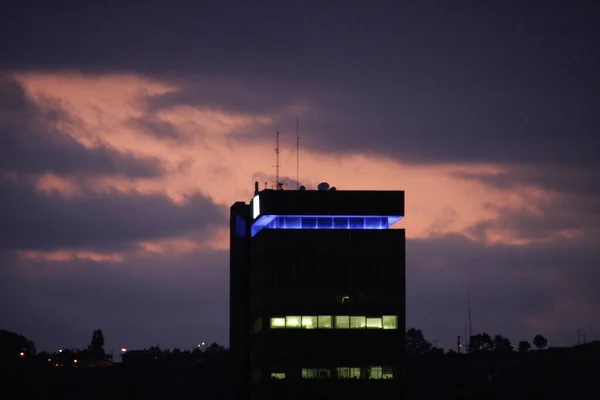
(278,184)
(297,156)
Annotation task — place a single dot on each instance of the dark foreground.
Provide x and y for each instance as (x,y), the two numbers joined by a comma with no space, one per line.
(551,374)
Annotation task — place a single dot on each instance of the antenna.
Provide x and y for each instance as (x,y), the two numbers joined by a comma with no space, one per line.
(297,156)
(469,305)
(278,184)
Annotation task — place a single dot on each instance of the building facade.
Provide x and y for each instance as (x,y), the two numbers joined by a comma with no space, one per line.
(317,304)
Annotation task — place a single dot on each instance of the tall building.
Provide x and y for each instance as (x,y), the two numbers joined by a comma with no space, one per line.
(317,304)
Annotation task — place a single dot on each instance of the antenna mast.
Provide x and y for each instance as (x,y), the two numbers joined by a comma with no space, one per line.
(297,156)
(469,309)
(278,184)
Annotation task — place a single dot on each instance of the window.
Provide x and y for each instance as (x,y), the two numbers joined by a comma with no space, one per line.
(309,322)
(325,322)
(390,322)
(357,322)
(388,373)
(315,373)
(277,375)
(374,323)
(257,325)
(374,372)
(342,322)
(348,373)
(293,322)
(278,322)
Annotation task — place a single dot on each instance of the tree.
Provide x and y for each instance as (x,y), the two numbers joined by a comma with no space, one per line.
(215,348)
(97,345)
(540,342)
(14,346)
(481,342)
(524,346)
(502,344)
(416,343)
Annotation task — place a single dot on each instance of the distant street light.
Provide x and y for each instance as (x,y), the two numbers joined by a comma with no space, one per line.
(22,354)
(60,350)
(123,350)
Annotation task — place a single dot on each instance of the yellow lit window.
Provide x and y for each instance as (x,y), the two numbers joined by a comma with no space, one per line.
(315,373)
(278,322)
(390,322)
(293,322)
(277,375)
(375,372)
(374,323)
(309,322)
(348,373)
(325,322)
(357,322)
(342,322)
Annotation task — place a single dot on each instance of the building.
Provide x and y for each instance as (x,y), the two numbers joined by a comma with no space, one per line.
(317,303)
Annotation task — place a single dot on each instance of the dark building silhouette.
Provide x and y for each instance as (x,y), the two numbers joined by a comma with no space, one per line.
(317,303)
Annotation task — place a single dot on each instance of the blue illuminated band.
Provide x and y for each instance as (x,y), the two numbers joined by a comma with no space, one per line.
(361,222)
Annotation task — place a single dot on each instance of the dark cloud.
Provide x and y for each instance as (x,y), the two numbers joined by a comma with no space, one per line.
(33,220)
(175,300)
(29,145)
(580,182)
(151,126)
(572,204)
(427,82)
(509,285)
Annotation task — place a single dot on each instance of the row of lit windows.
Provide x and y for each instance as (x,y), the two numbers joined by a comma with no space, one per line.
(337,322)
(342,373)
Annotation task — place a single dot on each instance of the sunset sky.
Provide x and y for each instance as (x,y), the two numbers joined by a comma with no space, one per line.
(127,129)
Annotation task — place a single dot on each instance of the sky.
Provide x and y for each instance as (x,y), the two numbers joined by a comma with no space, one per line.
(128,129)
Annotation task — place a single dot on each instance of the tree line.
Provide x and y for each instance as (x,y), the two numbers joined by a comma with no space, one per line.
(416,344)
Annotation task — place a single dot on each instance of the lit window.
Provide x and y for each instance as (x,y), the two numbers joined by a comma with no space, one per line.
(357,322)
(374,323)
(293,322)
(348,373)
(375,372)
(345,299)
(315,373)
(278,375)
(309,322)
(388,373)
(277,322)
(390,322)
(342,322)
(325,322)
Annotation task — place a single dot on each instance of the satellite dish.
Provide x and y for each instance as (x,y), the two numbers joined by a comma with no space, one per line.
(332,189)
(323,186)
(302,187)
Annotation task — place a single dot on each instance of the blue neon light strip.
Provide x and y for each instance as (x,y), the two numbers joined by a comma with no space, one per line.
(323,222)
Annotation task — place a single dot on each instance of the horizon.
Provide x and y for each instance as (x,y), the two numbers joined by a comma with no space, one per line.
(127,131)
